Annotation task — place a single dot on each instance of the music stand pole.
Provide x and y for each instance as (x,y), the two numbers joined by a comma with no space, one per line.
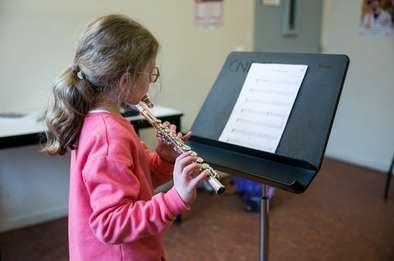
(264,208)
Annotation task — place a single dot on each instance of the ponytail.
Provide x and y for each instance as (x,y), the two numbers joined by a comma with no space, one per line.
(73,98)
(110,46)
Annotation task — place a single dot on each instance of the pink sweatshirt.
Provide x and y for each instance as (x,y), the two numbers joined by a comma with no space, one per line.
(113,214)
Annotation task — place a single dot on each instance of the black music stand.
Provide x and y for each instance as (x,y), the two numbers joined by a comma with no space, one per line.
(388,180)
(299,154)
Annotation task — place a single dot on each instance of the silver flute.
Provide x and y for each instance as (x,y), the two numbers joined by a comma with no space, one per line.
(178,144)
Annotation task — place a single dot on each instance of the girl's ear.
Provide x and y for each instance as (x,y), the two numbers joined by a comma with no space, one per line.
(125,80)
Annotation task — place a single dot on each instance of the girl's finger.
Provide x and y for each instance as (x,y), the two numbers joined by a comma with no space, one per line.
(184,158)
(167,125)
(186,161)
(190,169)
(173,128)
(201,176)
(186,136)
(183,155)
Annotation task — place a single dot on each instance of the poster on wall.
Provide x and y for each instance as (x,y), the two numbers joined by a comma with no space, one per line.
(377,17)
(208,14)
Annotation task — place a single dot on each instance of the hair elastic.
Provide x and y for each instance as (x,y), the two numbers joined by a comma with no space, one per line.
(80,75)
(75,69)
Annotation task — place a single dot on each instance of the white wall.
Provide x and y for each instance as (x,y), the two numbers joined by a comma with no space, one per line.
(363,131)
(37,40)
(33,187)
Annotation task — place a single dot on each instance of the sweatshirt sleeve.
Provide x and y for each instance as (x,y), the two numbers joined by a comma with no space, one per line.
(161,171)
(118,216)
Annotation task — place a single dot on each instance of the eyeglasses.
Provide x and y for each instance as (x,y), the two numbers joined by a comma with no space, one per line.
(153,75)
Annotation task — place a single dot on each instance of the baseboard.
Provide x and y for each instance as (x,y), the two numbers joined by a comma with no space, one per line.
(376,166)
(32,219)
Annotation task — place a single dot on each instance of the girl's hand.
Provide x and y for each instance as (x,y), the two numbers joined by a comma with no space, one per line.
(165,151)
(184,182)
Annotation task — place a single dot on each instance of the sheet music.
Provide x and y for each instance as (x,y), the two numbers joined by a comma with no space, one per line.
(260,114)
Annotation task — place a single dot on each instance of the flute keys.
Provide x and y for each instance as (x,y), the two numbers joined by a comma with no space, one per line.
(169,137)
(186,148)
(204,166)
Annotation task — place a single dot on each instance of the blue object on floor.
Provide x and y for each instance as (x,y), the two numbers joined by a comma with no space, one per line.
(250,193)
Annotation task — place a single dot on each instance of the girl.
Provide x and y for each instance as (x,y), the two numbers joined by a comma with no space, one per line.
(113,214)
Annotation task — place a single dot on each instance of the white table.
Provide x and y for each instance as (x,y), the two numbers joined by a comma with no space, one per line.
(29,129)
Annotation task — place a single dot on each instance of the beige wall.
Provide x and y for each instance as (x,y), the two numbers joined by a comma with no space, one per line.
(363,131)
(38,40)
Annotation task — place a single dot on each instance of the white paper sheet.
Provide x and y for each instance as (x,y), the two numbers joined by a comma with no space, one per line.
(260,114)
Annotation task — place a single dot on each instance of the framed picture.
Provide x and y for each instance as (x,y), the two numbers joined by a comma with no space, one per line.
(377,17)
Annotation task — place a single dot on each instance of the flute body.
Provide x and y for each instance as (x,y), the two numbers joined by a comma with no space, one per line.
(178,144)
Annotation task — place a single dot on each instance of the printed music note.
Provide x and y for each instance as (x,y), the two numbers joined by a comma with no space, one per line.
(262,110)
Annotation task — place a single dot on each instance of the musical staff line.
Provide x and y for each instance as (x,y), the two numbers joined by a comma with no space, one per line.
(263,106)
(253,133)
(261,123)
(270,90)
(261,101)
(249,144)
(263,113)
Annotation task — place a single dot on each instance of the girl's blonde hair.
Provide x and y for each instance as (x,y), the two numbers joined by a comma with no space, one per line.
(110,46)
